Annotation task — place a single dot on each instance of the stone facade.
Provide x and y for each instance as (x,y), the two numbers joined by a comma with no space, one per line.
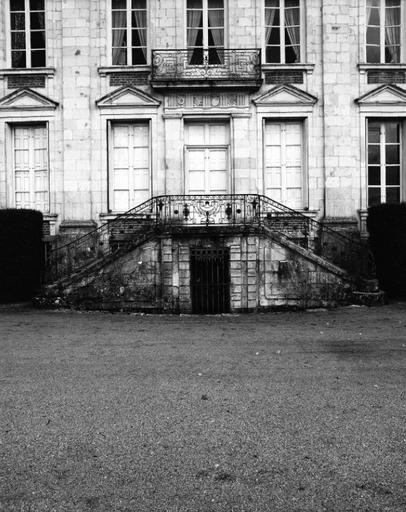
(82,99)
(78,73)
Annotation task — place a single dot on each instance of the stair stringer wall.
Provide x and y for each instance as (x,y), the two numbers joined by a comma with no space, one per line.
(266,271)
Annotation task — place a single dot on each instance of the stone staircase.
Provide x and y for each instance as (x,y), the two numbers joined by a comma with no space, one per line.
(338,254)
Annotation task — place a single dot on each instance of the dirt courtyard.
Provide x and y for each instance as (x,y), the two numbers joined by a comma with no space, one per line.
(296,411)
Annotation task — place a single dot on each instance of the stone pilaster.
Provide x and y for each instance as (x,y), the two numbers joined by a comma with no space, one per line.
(341,123)
(174,154)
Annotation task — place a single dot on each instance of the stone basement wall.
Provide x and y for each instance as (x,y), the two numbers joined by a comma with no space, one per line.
(156,278)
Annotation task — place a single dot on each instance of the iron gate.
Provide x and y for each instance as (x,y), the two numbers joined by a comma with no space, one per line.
(210,280)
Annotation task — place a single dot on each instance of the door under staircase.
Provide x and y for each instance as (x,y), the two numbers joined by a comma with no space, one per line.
(210,280)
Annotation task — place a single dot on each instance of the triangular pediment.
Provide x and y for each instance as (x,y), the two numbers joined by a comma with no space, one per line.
(26,99)
(285,95)
(127,96)
(383,95)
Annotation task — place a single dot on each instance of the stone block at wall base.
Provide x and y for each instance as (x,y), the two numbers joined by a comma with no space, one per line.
(75,228)
(369,298)
(346,225)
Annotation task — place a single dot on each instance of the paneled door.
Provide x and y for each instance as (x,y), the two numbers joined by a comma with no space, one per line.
(284,162)
(31,177)
(130,176)
(207,158)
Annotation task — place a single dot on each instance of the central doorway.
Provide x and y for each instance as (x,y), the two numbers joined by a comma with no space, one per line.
(207,158)
(210,280)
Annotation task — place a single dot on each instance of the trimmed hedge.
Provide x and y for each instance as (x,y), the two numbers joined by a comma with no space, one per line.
(21,254)
(386,225)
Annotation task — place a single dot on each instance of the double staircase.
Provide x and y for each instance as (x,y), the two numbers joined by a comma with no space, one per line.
(168,214)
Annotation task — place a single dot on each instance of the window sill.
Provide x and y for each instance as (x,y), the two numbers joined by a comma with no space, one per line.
(107,70)
(365,67)
(50,72)
(307,68)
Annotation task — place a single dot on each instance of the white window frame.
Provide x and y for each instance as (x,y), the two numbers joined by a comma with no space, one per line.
(110,149)
(304,188)
(129,35)
(382,187)
(402,40)
(28,48)
(12,127)
(205,27)
(282,36)
(206,147)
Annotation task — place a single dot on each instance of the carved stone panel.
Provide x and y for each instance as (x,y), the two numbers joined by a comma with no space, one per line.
(206,101)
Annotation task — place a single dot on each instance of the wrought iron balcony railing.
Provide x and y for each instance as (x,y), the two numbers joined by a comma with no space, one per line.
(177,212)
(207,65)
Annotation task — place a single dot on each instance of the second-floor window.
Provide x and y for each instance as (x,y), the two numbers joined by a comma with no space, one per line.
(282,31)
(129,32)
(383,31)
(205,31)
(27,26)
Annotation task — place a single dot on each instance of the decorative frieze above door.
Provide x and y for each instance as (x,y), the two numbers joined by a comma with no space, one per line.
(201,102)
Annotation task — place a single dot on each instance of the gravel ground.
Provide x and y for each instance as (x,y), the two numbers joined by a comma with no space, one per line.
(283,412)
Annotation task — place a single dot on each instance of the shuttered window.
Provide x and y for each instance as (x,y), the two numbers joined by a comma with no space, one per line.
(31,176)
(284,163)
(207,158)
(129,165)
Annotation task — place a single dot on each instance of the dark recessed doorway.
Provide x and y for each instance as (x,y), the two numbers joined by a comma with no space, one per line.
(210,280)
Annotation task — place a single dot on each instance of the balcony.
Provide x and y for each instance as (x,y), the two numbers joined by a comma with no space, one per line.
(199,68)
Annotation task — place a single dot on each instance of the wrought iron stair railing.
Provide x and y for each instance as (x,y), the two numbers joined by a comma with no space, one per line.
(348,253)
(170,212)
(102,244)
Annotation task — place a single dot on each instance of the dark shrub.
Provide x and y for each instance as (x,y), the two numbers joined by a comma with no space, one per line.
(386,224)
(21,254)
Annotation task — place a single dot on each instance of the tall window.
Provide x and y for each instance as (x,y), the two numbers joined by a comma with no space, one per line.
(284,162)
(383,31)
(30,146)
(129,165)
(205,31)
(282,31)
(27,24)
(207,158)
(129,32)
(384,162)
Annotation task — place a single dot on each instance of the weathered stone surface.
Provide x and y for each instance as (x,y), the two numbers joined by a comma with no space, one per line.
(269,274)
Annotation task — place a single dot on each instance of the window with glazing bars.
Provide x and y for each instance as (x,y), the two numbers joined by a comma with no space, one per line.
(205,31)
(129,32)
(282,31)
(384,162)
(383,31)
(27,33)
